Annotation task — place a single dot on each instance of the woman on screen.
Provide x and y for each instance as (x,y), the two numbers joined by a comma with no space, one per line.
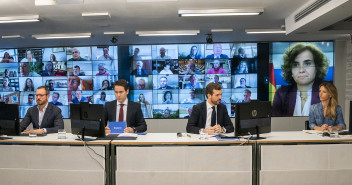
(305,67)
(166,70)
(29,57)
(28,86)
(242,67)
(6,73)
(146,108)
(53,58)
(327,114)
(49,69)
(6,85)
(193,53)
(7,58)
(167,98)
(105,85)
(102,99)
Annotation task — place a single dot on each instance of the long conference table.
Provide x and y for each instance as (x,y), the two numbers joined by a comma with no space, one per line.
(163,158)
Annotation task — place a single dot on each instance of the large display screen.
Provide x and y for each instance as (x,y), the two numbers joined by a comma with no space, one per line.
(167,80)
(296,70)
(72,74)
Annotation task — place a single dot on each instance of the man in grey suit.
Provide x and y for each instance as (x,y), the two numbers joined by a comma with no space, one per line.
(123,110)
(210,116)
(45,117)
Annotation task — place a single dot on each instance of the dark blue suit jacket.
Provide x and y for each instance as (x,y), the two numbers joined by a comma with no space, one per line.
(134,115)
(198,118)
(143,72)
(52,120)
(221,56)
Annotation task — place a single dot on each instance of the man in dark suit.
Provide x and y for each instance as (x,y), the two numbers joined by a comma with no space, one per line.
(163,83)
(210,116)
(139,71)
(124,110)
(45,117)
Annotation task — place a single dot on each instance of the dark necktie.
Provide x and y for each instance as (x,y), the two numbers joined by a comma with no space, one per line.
(213,117)
(121,113)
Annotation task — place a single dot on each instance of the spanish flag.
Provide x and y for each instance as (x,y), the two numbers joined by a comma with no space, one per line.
(272,83)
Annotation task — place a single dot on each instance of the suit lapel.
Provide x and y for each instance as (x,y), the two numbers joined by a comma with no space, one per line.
(128,115)
(218,112)
(36,117)
(114,110)
(204,113)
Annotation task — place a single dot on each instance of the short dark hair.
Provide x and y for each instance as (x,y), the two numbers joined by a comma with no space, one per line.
(31,95)
(58,94)
(77,66)
(123,83)
(45,88)
(210,88)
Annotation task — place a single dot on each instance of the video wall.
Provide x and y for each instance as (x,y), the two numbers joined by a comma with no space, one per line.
(72,74)
(297,69)
(168,80)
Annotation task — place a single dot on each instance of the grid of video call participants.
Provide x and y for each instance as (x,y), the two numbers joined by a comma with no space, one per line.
(168,80)
(72,74)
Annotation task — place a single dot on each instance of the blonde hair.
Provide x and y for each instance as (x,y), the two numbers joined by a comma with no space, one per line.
(333,103)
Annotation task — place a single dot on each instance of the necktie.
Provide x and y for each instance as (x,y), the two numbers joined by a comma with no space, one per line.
(213,116)
(121,113)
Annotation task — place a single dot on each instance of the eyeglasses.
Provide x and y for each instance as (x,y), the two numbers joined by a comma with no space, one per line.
(304,65)
(40,95)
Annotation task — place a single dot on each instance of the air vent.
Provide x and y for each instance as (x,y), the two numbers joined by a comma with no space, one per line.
(311,8)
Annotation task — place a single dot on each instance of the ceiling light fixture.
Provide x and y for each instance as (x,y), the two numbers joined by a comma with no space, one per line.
(11,36)
(96,14)
(21,18)
(167,33)
(264,31)
(62,36)
(114,33)
(221,30)
(44,2)
(220,12)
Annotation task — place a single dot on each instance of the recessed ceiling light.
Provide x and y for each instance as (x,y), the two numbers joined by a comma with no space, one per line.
(264,31)
(11,36)
(44,2)
(95,14)
(114,33)
(167,33)
(220,12)
(221,30)
(62,36)
(21,18)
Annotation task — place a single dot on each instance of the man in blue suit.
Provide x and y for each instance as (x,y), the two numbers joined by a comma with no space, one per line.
(217,48)
(45,117)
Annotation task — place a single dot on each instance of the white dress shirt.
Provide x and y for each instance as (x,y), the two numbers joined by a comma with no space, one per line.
(118,106)
(41,115)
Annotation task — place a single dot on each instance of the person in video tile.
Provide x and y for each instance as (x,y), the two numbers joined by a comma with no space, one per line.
(191,69)
(163,83)
(105,55)
(193,54)
(49,69)
(78,97)
(55,99)
(192,99)
(6,85)
(217,48)
(242,68)
(76,55)
(7,58)
(28,85)
(26,71)
(29,57)
(243,84)
(305,67)
(246,96)
(139,70)
(163,55)
(167,98)
(193,84)
(102,70)
(77,71)
(217,69)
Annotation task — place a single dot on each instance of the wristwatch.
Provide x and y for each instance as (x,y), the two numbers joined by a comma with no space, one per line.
(134,129)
